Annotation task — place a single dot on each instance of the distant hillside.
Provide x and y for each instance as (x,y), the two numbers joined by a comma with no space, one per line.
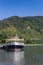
(27,27)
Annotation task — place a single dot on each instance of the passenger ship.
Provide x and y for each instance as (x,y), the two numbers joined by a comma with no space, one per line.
(15,44)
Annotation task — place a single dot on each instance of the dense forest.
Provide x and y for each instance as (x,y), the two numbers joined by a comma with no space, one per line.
(29,28)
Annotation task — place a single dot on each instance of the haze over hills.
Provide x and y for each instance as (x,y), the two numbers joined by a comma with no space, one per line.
(26,27)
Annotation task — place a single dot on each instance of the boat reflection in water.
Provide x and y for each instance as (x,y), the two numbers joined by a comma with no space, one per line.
(19,58)
(12,58)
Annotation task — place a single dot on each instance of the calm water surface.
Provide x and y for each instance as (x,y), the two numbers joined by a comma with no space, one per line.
(31,55)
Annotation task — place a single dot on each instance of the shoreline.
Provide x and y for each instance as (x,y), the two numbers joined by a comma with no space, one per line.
(33,45)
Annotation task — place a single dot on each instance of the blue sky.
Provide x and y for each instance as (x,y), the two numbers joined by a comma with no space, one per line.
(20,8)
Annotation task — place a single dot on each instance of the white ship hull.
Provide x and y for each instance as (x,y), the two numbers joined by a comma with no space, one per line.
(14,46)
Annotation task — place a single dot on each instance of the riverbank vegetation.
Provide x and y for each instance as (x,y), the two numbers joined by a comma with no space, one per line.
(29,28)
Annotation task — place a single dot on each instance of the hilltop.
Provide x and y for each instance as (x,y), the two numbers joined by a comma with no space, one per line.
(29,28)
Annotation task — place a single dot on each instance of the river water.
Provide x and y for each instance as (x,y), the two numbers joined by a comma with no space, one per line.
(32,55)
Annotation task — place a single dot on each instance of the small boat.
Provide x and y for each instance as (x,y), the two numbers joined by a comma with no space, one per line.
(16,44)
(1,46)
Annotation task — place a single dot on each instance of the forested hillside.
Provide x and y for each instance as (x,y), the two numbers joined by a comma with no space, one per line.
(29,28)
